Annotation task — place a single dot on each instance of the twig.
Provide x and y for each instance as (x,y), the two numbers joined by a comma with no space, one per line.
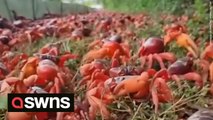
(180,100)
(136,111)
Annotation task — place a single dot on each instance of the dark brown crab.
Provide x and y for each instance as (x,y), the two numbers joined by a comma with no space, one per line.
(182,69)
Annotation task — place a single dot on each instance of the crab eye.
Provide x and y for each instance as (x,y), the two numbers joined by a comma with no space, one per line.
(4,40)
(53,58)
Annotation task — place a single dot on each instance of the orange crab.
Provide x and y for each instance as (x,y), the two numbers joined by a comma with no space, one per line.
(137,86)
(114,38)
(99,42)
(178,32)
(93,73)
(112,50)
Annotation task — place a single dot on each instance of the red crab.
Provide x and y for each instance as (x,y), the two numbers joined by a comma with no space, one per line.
(207,55)
(93,73)
(112,50)
(153,49)
(102,40)
(46,68)
(138,86)
(178,32)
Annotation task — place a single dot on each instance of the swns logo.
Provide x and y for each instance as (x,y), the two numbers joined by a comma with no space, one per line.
(40,102)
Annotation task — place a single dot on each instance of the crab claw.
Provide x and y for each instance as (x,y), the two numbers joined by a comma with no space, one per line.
(96,104)
(29,68)
(184,40)
(134,84)
(172,31)
(167,39)
(160,92)
(178,32)
(194,77)
(163,73)
(31,80)
(65,58)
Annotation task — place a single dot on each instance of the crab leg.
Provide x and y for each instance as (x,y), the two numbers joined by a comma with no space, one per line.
(115,57)
(49,86)
(205,66)
(95,43)
(60,115)
(160,61)
(150,61)
(194,77)
(31,80)
(57,85)
(155,99)
(141,49)
(211,72)
(177,80)
(143,61)
(167,56)
(66,57)
(207,53)
(160,92)
(211,89)
(84,80)
(96,104)
(192,51)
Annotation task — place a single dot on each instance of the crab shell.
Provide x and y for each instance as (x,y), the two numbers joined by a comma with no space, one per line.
(112,46)
(111,83)
(90,67)
(116,38)
(152,45)
(46,70)
(181,66)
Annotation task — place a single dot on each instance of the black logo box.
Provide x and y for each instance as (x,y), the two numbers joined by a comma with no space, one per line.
(23,96)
